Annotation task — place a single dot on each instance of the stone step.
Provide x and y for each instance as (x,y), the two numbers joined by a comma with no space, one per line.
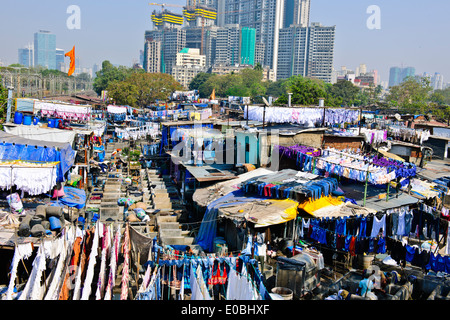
(166,218)
(177,240)
(162,206)
(113,213)
(169,225)
(170,233)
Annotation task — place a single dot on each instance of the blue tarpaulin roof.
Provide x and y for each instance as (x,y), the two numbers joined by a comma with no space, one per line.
(13,147)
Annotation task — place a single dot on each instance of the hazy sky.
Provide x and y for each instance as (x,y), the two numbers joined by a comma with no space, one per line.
(413,33)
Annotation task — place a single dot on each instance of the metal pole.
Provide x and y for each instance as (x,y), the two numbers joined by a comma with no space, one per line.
(247,114)
(9,104)
(264,116)
(365,187)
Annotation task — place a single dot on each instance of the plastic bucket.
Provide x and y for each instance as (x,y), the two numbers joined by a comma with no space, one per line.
(35,120)
(27,119)
(18,117)
(285,293)
(55,223)
(51,123)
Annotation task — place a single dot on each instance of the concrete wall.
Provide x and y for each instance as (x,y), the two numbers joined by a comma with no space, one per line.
(342,143)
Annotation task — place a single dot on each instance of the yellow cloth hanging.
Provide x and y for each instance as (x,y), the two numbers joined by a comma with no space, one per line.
(311,206)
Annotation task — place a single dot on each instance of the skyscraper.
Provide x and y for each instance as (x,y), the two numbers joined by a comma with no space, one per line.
(306,51)
(194,41)
(397,75)
(60,63)
(26,56)
(320,51)
(265,16)
(45,50)
(171,41)
(189,63)
(437,81)
(296,12)
(152,56)
(227,45)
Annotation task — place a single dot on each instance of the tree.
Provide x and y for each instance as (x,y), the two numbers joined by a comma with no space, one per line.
(258,67)
(250,77)
(343,92)
(84,77)
(3,104)
(412,95)
(198,81)
(142,89)
(276,88)
(305,91)
(108,74)
(123,93)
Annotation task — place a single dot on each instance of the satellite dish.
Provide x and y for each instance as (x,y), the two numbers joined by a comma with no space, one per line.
(265,101)
(398,117)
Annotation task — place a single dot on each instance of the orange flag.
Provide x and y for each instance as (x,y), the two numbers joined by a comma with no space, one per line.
(71,55)
(213,95)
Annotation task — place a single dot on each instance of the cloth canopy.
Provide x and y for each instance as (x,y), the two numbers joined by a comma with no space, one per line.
(263,213)
(204,195)
(117,109)
(44,134)
(208,227)
(13,147)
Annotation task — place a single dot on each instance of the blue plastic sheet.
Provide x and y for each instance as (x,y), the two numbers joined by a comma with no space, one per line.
(75,198)
(66,156)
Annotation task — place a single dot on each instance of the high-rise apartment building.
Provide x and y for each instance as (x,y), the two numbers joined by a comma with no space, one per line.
(45,49)
(296,12)
(437,81)
(293,49)
(172,37)
(259,53)
(152,56)
(306,51)
(320,51)
(236,45)
(189,63)
(265,16)
(194,40)
(227,45)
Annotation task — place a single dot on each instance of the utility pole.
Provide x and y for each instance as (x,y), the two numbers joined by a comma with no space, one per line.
(9,104)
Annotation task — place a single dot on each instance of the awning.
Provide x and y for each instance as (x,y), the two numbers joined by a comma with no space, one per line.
(13,147)
(43,134)
(204,196)
(262,213)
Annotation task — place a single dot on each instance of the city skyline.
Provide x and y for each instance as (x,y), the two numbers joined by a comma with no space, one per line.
(115,32)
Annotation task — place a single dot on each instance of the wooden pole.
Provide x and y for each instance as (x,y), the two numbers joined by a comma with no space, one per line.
(247,114)
(365,187)
(264,117)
